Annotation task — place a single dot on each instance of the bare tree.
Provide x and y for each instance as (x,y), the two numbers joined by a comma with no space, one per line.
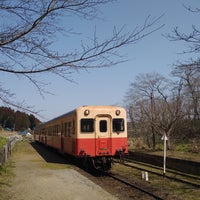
(27,38)
(189,72)
(156,105)
(189,75)
(146,88)
(192,38)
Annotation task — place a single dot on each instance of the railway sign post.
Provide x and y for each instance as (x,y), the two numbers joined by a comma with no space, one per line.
(164,138)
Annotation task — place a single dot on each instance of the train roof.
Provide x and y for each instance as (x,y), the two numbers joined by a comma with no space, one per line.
(80,108)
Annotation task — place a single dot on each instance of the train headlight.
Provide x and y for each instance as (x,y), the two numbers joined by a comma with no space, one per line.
(117,112)
(86,112)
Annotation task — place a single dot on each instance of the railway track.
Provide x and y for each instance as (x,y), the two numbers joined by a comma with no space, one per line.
(177,176)
(135,186)
(174,185)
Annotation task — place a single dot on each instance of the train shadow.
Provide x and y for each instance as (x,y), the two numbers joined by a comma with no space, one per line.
(50,155)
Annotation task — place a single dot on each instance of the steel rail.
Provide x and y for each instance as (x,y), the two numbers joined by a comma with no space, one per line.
(134,186)
(164,176)
(167,170)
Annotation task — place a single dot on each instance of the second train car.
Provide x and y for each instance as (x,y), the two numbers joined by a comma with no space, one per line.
(92,134)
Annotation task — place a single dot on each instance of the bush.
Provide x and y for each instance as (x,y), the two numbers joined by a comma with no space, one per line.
(191,146)
(182,147)
(3,141)
(137,143)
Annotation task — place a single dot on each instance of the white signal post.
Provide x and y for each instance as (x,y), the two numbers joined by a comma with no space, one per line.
(164,138)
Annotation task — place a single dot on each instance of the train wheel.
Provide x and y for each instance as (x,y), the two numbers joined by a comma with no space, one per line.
(103,163)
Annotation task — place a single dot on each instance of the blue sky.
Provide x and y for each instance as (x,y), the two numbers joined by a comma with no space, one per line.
(107,86)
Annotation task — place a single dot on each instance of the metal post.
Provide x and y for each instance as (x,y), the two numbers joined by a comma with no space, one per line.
(164,138)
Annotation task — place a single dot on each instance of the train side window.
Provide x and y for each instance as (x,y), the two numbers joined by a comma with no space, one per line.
(51,130)
(54,130)
(118,125)
(87,125)
(65,129)
(103,126)
(59,129)
(69,129)
(73,127)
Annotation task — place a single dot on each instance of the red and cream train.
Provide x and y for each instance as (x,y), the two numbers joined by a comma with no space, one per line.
(92,134)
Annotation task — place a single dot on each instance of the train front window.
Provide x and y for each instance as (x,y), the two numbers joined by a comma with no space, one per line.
(87,125)
(103,126)
(118,125)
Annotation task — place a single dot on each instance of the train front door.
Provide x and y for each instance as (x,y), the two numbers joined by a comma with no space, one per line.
(103,135)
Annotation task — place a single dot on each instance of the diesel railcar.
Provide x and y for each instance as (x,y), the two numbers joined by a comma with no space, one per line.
(91,134)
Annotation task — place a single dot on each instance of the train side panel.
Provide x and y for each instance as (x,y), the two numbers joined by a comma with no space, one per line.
(68,146)
(56,142)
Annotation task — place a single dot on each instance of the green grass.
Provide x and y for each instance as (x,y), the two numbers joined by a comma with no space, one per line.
(6,174)
(3,141)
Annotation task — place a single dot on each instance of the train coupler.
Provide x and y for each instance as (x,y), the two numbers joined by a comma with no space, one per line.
(120,155)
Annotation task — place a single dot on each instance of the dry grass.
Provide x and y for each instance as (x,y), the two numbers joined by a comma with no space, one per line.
(179,154)
(8,133)
(181,151)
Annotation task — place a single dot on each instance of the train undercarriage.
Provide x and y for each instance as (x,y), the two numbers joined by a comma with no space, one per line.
(102,163)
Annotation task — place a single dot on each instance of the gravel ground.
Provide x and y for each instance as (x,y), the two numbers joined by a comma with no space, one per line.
(38,179)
